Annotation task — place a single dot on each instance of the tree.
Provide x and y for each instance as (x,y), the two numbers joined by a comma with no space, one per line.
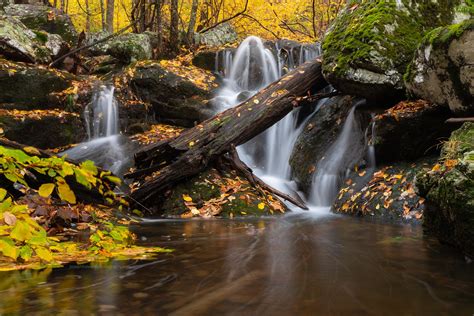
(174,26)
(110,16)
(192,22)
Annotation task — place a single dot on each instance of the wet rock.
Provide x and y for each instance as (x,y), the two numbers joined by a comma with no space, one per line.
(45,18)
(26,86)
(449,190)
(387,193)
(443,68)
(127,48)
(206,60)
(218,36)
(319,133)
(56,45)
(42,128)
(370,44)
(17,42)
(409,130)
(174,98)
(215,193)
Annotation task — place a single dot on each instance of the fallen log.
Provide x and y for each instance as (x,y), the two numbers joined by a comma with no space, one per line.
(460,120)
(162,164)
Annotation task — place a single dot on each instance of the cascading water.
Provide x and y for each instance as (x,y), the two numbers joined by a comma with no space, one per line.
(342,154)
(105,145)
(251,68)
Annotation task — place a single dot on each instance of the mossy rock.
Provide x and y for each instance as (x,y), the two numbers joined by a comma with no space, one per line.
(443,68)
(449,190)
(174,98)
(42,129)
(45,18)
(127,48)
(17,42)
(367,49)
(215,193)
(27,86)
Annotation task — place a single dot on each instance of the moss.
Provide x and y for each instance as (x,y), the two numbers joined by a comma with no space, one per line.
(443,36)
(41,36)
(377,35)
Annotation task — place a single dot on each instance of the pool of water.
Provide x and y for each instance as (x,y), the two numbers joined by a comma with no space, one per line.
(292,265)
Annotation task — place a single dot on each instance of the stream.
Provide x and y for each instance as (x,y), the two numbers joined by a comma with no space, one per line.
(303,263)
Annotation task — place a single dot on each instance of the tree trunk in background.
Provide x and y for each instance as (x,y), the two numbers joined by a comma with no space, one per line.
(110,16)
(102,15)
(174,26)
(192,22)
(88,17)
(159,24)
(176,159)
(203,16)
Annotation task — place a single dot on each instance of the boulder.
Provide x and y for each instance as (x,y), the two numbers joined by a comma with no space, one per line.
(174,98)
(17,42)
(443,68)
(206,59)
(217,193)
(26,86)
(127,48)
(368,47)
(317,136)
(218,36)
(45,18)
(42,128)
(388,192)
(449,190)
(409,130)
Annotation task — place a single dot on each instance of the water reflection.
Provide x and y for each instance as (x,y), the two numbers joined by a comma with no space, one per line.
(291,265)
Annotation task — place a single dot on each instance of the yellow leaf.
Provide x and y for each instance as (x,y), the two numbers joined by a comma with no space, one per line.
(31,150)
(261,206)
(191,144)
(65,193)
(187,198)
(3,193)
(44,254)
(46,189)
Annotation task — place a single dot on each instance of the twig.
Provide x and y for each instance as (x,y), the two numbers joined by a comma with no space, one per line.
(460,120)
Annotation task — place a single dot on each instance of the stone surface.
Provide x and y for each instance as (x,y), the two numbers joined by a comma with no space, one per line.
(27,86)
(127,47)
(317,136)
(16,40)
(42,128)
(449,190)
(388,192)
(409,130)
(174,98)
(218,36)
(45,18)
(370,44)
(215,193)
(443,68)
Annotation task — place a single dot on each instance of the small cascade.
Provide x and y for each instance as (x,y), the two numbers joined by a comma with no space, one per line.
(105,145)
(342,154)
(371,145)
(101,116)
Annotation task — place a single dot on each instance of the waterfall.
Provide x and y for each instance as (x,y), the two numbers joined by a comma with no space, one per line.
(101,116)
(341,155)
(252,67)
(105,145)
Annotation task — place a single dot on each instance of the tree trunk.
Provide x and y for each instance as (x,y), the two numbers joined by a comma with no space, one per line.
(102,15)
(159,24)
(110,16)
(174,26)
(88,17)
(192,22)
(171,161)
